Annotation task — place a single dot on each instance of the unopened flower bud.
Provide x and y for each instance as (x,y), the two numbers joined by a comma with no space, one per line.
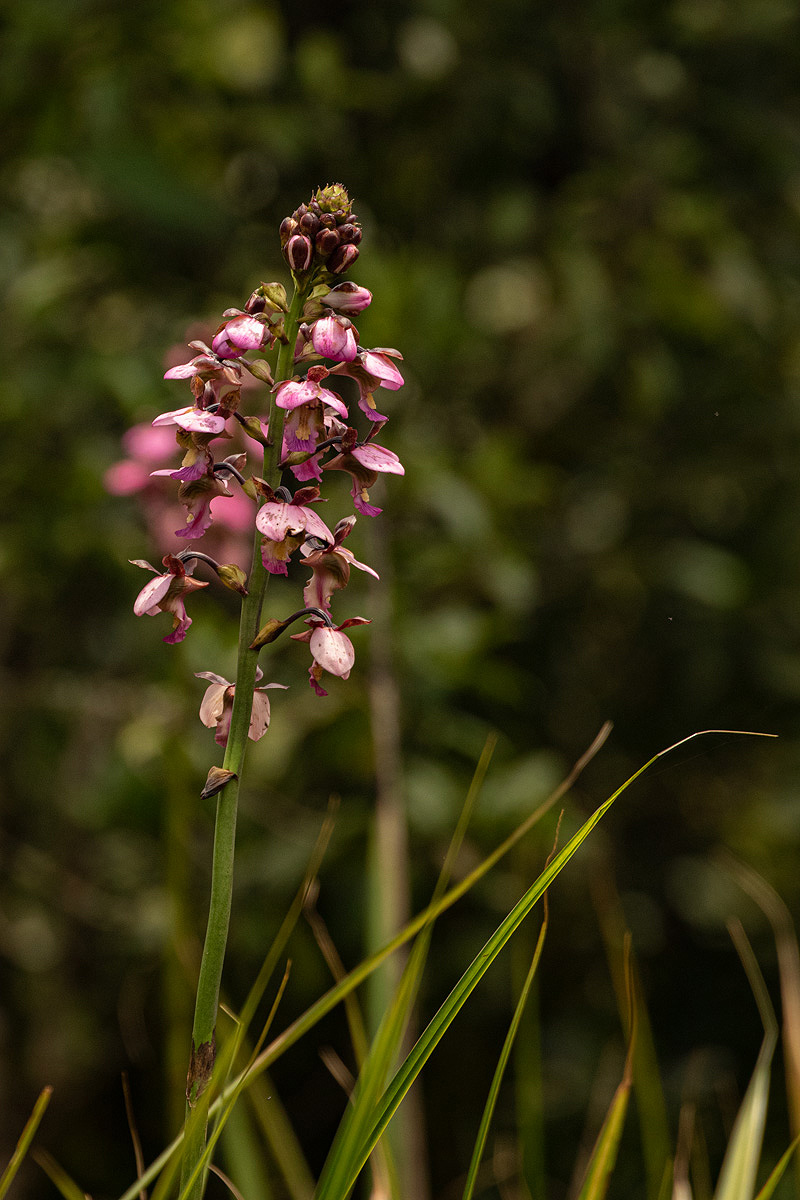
(275,297)
(252,427)
(298,252)
(347,232)
(309,224)
(342,259)
(259,368)
(233,577)
(256,304)
(332,197)
(269,632)
(288,227)
(296,458)
(347,297)
(326,241)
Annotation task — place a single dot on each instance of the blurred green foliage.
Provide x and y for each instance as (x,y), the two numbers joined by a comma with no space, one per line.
(582,228)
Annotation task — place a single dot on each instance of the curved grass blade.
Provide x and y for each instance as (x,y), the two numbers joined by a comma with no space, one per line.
(738,1175)
(477,969)
(25,1139)
(442,1020)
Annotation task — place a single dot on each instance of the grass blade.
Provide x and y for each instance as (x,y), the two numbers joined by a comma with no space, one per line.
(650,1103)
(65,1184)
(776,1174)
(738,1175)
(783,930)
(505,1053)
(25,1139)
(477,969)
(604,1155)
(469,981)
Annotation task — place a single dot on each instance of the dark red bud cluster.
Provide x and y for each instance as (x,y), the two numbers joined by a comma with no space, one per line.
(323,234)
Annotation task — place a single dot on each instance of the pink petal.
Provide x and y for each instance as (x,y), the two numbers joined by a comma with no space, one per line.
(378,458)
(382,368)
(246,333)
(213,702)
(273,520)
(333,651)
(146,603)
(355,563)
(195,420)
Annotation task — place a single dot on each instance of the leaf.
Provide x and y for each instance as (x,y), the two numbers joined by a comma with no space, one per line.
(738,1175)
(604,1155)
(25,1139)
(67,1186)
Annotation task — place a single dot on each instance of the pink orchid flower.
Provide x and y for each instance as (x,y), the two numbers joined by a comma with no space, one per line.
(331,650)
(285,525)
(198,488)
(217,706)
(334,337)
(165,593)
(294,392)
(372,369)
(310,409)
(330,567)
(365,463)
(240,334)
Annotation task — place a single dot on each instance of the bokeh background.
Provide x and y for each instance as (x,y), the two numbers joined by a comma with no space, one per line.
(582,228)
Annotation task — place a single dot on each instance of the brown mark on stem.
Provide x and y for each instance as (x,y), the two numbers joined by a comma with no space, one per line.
(201,1064)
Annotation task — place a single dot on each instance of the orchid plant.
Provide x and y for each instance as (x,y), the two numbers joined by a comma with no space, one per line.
(299,348)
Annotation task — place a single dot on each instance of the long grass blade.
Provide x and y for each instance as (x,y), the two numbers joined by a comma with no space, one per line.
(505,1054)
(738,1175)
(604,1155)
(470,979)
(477,969)
(783,930)
(777,1172)
(650,1103)
(58,1176)
(271,1118)
(25,1139)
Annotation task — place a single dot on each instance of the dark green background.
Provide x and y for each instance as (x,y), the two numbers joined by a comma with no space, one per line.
(582,228)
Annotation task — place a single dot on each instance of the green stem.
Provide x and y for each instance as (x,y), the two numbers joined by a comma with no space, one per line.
(219,912)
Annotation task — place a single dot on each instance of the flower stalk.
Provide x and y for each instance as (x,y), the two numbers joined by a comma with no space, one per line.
(219,911)
(304,434)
